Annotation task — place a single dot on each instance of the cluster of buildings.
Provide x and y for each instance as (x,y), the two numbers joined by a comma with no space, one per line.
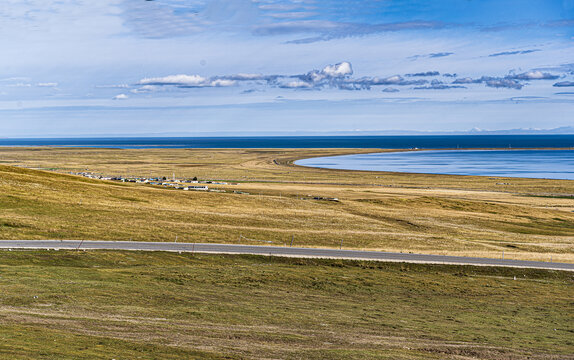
(180,184)
(184,184)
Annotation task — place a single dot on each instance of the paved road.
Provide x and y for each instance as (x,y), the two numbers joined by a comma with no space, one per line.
(278,251)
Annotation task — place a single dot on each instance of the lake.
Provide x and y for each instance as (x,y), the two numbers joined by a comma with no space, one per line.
(546,164)
(379,142)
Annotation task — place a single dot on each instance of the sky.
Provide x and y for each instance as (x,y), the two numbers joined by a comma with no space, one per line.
(209,67)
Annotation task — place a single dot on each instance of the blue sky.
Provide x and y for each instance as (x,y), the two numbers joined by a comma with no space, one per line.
(191,67)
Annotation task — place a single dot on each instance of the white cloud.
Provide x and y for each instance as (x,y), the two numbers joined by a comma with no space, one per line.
(178,80)
(245,77)
(504,83)
(332,75)
(535,75)
(466,80)
(293,15)
(47,84)
(17,78)
(20,84)
(392,80)
(115,86)
(297,85)
(221,83)
(120,97)
(187,81)
(144,89)
(338,70)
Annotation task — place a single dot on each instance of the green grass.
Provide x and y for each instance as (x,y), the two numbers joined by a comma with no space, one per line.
(154,305)
(38,342)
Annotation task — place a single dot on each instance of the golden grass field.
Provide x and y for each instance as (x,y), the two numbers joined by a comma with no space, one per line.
(160,305)
(439,214)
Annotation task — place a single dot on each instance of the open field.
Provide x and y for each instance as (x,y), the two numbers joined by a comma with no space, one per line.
(439,214)
(153,305)
(127,305)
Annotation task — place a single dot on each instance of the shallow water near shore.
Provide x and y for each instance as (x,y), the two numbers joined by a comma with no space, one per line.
(541,164)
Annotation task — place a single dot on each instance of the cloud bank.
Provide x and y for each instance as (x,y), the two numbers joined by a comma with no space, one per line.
(187,81)
(340,76)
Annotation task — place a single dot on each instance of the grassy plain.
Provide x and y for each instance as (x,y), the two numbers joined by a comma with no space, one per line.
(441,214)
(129,305)
(153,305)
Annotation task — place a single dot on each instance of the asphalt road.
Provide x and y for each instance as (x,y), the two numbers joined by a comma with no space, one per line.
(277,251)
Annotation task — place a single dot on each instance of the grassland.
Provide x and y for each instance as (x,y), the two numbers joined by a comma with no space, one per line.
(128,305)
(457,215)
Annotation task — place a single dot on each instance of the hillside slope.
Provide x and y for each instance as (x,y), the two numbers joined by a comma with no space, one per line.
(46,205)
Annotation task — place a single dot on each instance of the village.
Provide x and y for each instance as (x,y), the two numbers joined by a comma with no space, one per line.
(185,184)
(179,184)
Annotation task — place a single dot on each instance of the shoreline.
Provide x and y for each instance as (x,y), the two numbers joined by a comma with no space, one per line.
(292,160)
(326,158)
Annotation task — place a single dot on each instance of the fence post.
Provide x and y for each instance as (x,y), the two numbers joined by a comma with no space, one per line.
(80,244)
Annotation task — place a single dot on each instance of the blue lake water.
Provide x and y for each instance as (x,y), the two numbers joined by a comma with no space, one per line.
(380,142)
(548,164)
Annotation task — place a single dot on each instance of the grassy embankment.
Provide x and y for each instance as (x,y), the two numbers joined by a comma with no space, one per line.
(128,305)
(457,215)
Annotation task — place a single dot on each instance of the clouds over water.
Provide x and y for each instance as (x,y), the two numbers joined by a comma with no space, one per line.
(513,81)
(340,76)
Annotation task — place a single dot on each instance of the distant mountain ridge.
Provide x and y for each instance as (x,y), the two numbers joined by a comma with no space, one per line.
(563,130)
(566,130)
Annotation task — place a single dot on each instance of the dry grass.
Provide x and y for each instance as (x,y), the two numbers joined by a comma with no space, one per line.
(457,215)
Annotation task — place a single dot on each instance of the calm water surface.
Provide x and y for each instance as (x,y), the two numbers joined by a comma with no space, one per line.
(378,142)
(547,164)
